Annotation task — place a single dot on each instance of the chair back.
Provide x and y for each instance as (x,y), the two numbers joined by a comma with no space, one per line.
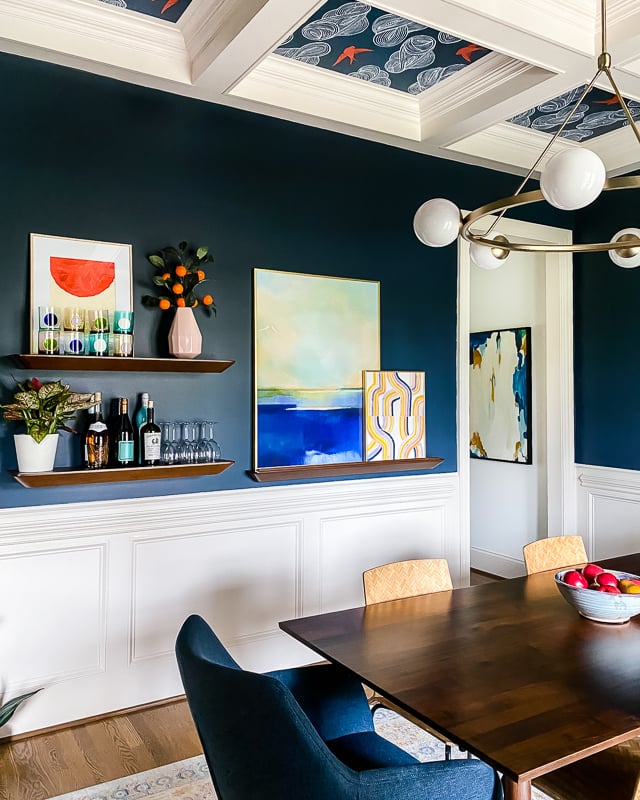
(257,741)
(555,552)
(406,579)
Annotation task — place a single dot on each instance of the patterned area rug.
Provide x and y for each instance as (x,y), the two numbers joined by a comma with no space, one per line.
(189,779)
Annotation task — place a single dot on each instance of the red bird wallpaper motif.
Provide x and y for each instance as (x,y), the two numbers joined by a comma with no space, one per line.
(351,52)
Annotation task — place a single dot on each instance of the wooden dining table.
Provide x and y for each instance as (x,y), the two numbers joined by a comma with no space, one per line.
(507,670)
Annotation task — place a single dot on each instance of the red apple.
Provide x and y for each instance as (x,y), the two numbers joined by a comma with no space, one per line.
(591,570)
(606,579)
(575,578)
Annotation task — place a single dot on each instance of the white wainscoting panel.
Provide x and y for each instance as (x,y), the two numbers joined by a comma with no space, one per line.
(608,510)
(93,594)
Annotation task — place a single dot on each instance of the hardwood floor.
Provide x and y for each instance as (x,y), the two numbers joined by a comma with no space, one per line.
(54,762)
(59,761)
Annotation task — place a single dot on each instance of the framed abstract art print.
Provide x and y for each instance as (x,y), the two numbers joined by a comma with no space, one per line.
(500,395)
(314,335)
(78,273)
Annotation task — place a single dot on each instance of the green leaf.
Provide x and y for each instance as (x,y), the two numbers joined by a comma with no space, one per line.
(150,300)
(159,280)
(201,252)
(173,252)
(157,261)
(8,709)
(182,246)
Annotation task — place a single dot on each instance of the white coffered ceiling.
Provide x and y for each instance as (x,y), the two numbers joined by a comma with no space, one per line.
(221,51)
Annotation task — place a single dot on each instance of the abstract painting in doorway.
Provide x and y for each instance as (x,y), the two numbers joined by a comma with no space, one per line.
(394,404)
(314,336)
(500,395)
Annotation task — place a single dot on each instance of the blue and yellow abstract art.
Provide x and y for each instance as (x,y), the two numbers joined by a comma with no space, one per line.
(500,395)
(394,404)
(314,336)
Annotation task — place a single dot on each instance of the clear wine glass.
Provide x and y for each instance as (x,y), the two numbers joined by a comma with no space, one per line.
(169,447)
(187,444)
(204,452)
(207,433)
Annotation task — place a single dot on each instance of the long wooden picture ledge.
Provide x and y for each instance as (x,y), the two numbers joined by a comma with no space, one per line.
(264,474)
(64,476)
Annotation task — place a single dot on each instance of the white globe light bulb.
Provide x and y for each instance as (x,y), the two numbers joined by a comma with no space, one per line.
(630,256)
(437,222)
(487,257)
(572,179)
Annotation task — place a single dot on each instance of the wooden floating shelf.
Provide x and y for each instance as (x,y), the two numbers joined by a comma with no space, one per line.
(73,477)
(120,364)
(335,470)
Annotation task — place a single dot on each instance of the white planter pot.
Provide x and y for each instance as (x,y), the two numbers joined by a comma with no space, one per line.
(35,456)
(185,339)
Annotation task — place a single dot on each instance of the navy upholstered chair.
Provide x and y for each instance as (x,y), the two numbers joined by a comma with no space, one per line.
(304,734)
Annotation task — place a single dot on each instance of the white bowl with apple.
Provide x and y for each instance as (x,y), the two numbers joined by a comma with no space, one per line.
(601,595)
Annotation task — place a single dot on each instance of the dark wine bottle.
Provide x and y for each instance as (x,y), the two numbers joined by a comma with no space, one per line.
(96,441)
(123,436)
(150,439)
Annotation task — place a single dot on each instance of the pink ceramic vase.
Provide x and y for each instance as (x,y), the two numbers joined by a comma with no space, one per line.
(185,339)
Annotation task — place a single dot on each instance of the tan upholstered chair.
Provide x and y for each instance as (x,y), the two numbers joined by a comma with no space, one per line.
(590,778)
(393,582)
(406,579)
(554,553)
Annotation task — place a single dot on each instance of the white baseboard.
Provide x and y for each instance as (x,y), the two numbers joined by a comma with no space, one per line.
(496,564)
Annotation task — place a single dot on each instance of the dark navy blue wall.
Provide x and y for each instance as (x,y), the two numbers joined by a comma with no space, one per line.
(607,379)
(92,158)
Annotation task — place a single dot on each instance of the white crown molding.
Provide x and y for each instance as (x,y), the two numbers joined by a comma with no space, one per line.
(566,22)
(99,33)
(486,83)
(300,87)
(510,143)
(619,150)
(618,13)
(208,28)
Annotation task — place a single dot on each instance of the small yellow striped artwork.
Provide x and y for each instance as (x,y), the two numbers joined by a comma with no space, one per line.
(394,415)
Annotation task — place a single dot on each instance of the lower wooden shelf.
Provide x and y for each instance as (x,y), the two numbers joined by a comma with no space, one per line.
(336,470)
(69,477)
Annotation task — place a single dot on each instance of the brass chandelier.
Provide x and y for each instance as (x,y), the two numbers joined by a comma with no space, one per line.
(571,179)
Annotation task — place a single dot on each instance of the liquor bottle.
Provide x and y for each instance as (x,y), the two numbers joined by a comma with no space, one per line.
(123,442)
(150,437)
(96,441)
(91,418)
(140,419)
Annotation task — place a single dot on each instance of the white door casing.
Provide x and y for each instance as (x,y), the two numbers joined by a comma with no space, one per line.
(561,488)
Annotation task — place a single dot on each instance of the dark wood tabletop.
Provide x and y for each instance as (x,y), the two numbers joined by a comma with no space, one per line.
(508,670)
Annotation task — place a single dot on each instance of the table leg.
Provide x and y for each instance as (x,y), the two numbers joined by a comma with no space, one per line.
(516,791)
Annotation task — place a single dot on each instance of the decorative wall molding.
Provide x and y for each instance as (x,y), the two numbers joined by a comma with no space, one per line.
(608,510)
(99,33)
(285,82)
(508,142)
(496,76)
(209,27)
(103,614)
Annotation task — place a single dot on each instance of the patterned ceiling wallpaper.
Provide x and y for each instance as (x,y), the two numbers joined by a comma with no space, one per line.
(599,113)
(170,10)
(363,42)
